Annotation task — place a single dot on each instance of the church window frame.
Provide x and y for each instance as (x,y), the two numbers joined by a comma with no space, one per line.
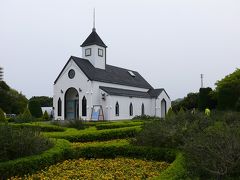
(117,109)
(142,109)
(130,109)
(100,52)
(88,52)
(71,73)
(84,106)
(59,109)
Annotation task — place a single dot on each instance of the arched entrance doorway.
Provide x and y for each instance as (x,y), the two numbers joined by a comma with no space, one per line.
(71,104)
(163,108)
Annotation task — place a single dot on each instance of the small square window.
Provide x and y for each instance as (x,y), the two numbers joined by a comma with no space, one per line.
(100,52)
(88,52)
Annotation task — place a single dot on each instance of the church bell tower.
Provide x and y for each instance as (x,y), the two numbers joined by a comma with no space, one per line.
(94,49)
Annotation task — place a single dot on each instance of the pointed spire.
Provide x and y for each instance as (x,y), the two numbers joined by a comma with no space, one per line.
(94,29)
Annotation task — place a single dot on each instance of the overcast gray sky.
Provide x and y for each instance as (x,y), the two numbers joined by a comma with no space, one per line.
(169,42)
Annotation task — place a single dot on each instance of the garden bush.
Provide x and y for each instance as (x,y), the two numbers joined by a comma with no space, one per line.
(211,144)
(25,117)
(95,135)
(20,142)
(45,116)
(33,163)
(215,151)
(170,132)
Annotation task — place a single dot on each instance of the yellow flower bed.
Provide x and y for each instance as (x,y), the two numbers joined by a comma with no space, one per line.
(119,168)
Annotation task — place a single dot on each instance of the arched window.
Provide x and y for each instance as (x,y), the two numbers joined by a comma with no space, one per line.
(163,108)
(143,113)
(117,109)
(130,109)
(59,109)
(84,106)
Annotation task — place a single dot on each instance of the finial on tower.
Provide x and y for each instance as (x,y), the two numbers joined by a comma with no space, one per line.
(201,80)
(94,29)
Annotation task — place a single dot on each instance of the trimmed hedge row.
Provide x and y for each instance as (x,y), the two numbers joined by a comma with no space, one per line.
(33,163)
(115,125)
(41,126)
(176,170)
(96,135)
(121,148)
(108,149)
(116,148)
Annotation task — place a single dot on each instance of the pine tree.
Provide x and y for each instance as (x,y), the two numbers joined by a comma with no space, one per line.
(45,116)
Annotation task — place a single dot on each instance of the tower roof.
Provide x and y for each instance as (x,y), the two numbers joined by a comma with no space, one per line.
(93,39)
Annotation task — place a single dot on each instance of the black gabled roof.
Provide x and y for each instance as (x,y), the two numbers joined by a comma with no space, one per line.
(156,92)
(124,92)
(152,93)
(92,39)
(111,74)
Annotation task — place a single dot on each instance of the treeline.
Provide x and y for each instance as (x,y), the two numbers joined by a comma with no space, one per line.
(226,96)
(13,102)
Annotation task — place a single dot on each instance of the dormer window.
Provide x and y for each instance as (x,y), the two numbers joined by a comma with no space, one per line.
(100,52)
(131,73)
(88,52)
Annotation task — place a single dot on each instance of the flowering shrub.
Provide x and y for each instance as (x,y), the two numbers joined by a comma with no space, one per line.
(119,168)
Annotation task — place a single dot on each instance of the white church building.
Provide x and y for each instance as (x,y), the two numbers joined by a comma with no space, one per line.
(90,89)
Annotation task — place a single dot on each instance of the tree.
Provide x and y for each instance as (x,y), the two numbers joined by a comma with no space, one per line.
(35,108)
(44,101)
(11,101)
(189,102)
(206,99)
(228,91)
(26,116)
(45,116)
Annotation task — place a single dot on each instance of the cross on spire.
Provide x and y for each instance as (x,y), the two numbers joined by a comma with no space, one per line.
(94,28)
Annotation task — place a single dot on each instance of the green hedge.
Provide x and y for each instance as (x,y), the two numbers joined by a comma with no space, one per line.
(116,148)
(95,135)
(33,163)
(115,125)
(176,170)
(120,148)
(43,127)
